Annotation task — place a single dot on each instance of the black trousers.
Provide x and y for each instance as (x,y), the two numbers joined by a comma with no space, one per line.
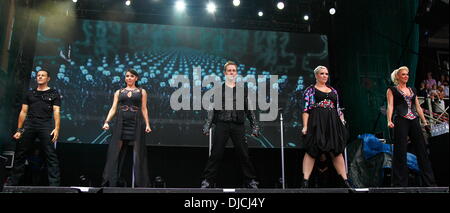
(24,147)
(222,132)
(404,128)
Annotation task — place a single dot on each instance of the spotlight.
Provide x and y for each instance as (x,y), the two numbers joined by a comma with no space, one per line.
(211,7)
(128,2)
(236,3)
(74,1)
(260,13)
(306,17)
(280,5)
(180,5)
(332,11)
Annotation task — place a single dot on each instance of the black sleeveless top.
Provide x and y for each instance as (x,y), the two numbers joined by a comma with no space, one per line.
(135,98)
(401,107)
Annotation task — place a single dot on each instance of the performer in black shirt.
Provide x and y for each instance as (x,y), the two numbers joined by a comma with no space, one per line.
(39,106)
(230,123)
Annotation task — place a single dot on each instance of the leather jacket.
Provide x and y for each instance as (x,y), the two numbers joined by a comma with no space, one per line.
(223,115)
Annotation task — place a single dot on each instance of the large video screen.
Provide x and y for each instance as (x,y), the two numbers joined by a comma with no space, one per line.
(88,59)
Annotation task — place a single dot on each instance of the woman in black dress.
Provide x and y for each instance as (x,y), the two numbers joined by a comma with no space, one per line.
(323,126)
(403,113)
(131,124)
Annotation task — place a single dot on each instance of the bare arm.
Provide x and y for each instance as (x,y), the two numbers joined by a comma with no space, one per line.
(21,120)
(57,118)
(420,111)
(305,117)
(112,111)
(22,116)
(144,109)
(390,107)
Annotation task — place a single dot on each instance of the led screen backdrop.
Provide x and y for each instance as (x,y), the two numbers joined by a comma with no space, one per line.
(87,61)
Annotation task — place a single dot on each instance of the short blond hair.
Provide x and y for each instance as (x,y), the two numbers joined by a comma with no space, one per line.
(318,68)
(394,74)
(229,63)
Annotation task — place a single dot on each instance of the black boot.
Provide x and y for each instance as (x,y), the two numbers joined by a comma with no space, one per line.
(11,182)
(252,184)
(206,184)
(348,184)
(305,183)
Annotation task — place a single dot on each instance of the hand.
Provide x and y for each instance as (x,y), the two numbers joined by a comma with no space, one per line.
(148,129)
(205,131)
(55,134)
(390,124)
(17,135)
(425,123)
(255,133)
(304,130)
(105,126)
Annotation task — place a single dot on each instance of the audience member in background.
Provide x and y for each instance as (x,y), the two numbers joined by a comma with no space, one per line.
(437,99)
(422,91)
(445,86)
(429,81)
(442,80)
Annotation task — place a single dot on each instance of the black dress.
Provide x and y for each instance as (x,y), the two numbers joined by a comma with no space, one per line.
(326,133)
(129,128)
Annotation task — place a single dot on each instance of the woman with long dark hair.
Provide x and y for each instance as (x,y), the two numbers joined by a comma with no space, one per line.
(130,126)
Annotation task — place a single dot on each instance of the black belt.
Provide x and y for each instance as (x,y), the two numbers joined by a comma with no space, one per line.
(129,108)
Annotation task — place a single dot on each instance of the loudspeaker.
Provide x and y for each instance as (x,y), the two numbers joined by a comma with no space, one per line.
(439,156)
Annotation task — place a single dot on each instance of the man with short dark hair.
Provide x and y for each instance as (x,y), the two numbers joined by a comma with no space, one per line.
(39,106)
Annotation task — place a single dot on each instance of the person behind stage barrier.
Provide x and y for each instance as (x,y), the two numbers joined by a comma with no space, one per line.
(38,118)
(403,113)
(230,124)
(130,126)
(323,127)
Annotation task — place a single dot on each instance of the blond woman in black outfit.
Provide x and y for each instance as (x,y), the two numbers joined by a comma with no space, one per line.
(403,113)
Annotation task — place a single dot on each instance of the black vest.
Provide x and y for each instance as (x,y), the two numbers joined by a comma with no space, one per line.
(400,105)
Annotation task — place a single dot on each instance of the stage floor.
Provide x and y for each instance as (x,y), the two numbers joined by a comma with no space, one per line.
(77,189)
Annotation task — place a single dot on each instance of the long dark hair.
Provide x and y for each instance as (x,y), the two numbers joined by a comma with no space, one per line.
(132,71)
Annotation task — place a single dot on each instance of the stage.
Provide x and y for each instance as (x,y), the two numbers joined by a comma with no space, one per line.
(77,189)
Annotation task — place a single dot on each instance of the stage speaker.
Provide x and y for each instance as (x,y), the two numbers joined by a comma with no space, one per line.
(439,156)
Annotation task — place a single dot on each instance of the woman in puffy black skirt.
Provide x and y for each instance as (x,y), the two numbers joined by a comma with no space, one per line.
(323,127)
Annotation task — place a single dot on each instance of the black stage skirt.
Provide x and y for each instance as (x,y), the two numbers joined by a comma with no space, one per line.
(326,133)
